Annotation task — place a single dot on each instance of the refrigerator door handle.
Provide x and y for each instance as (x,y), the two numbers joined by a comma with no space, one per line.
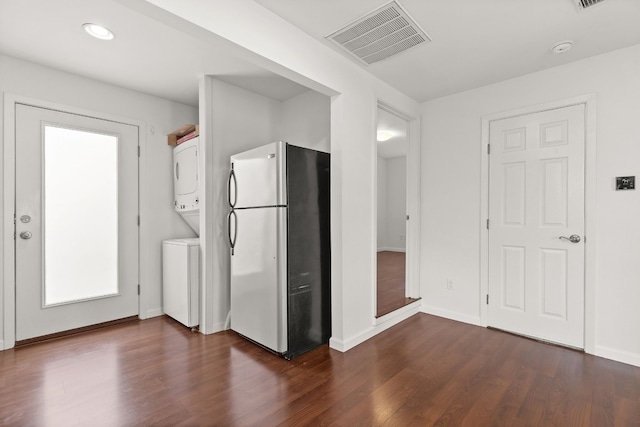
(232,240)
(232,176)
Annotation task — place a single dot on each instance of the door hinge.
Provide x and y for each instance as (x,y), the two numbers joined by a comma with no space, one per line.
(138,289)
(487,223)
(138,151)
(488,148)
(487,299)
(138,219)
(407,217)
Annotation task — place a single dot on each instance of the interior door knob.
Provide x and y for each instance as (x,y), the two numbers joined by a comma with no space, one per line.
(26,235)
(574,238)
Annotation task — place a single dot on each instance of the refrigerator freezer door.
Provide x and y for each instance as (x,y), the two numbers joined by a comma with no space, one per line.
(258,276)
(257,177)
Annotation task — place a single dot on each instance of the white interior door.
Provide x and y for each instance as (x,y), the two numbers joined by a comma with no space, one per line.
(536,204)
(76,221)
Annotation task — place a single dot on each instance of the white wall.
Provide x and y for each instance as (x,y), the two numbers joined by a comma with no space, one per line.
(306,121)
(382,203)
(239,120)
(396,203)
(451,223)
(159,116)
(392,203)
(282,48)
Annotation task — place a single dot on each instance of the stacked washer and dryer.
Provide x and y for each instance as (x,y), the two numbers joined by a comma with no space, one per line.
(181,257)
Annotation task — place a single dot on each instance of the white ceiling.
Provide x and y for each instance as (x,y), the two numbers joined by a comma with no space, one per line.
(476,42)
(145,55)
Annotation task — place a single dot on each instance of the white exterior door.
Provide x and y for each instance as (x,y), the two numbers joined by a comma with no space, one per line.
(76,221)
(536,232)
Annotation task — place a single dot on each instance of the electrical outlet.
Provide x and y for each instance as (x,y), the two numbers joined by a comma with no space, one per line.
(450,284)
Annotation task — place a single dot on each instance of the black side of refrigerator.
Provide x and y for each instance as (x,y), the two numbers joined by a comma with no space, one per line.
(308,250)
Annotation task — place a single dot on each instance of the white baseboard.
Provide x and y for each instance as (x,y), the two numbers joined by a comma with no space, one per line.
(155,312)
(410,309)
(216,327)
(600,351)
(381,324)
(617,355)
(387,249)
(459,317)
(2,345)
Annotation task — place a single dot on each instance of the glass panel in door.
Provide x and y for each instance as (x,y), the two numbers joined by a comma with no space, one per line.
(80,215)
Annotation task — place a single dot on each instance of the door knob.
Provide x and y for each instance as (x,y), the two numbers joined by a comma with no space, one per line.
(574,238)
(26,235)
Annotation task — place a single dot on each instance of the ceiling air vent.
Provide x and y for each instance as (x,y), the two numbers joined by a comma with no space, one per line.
(381,34)
(583,4)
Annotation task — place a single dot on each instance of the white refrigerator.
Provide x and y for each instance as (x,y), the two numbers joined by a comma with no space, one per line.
(279,237)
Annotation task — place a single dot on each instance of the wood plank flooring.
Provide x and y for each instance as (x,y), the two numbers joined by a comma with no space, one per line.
(391,282)
(426,371)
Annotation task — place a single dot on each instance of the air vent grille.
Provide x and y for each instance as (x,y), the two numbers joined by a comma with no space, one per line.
(583,4)
(381,34)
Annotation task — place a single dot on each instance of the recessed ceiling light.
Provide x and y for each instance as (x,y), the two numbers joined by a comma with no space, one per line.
(562,47)
(383,135)
(98,31)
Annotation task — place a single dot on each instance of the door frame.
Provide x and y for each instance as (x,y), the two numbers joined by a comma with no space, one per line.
(589,102)
(412,227)
(8,280)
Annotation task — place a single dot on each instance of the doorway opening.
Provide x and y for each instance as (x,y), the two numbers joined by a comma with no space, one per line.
(392,147)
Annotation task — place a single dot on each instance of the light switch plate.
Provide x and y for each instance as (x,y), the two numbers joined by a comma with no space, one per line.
(625,183)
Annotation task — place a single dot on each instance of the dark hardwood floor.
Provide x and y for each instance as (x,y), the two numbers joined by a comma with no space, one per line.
(391,282)
(425,371)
